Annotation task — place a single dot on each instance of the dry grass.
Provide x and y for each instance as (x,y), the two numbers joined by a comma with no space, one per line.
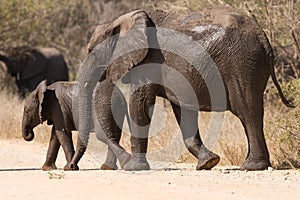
(11,119)
(11,115)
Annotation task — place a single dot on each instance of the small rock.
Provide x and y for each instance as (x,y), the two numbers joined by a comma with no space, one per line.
(225,171)
(270,169)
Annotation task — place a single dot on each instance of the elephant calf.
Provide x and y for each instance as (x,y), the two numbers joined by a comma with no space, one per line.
(54,104)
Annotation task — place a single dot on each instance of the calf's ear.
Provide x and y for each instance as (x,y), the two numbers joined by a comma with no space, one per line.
(40,93)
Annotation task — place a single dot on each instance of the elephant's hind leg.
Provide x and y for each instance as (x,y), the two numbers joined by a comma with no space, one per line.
(111,160)
(188,122)
(251,115)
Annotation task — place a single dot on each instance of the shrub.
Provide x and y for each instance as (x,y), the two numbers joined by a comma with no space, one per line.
(282,128)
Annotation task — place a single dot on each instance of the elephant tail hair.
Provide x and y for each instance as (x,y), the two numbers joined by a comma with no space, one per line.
(288,103)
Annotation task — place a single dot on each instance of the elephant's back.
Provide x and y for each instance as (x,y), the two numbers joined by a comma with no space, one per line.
(226,18)
(227,36)
(211,46)
(56,65)
(208,25)
(49,51)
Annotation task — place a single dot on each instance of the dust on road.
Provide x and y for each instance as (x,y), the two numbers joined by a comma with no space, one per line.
(21,178)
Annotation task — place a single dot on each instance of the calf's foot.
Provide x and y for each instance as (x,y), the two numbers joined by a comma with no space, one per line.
(71,167)
(49,166)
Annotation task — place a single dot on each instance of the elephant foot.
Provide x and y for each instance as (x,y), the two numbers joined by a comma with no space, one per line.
(136,163)
(124,159)
(252,164)
(71,167)
(108,167)
(207,160)
(48,167)
(136,166)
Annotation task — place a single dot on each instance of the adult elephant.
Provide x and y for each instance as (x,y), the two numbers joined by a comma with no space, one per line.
(31,65)
(211,61)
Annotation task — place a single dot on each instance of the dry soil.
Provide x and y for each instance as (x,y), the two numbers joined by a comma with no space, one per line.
(21,178)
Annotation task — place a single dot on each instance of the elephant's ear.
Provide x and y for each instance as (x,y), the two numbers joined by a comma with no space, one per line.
(40,93)
(34,63)
(130,39)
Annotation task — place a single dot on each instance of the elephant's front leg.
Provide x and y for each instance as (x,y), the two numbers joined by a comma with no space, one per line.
(140,113)
(188,122)
(111,159)
(51,152)
(109,112)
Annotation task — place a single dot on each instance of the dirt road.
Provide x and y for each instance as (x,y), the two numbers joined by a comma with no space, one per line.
(21,178)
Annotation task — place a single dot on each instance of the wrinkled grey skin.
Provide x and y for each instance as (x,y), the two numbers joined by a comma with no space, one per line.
(29,66)
(53,104)
(244,59)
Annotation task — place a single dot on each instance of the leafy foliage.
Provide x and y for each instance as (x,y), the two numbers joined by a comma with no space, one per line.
(65,25)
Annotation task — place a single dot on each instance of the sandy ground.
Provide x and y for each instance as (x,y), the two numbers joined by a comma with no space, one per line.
(21,178)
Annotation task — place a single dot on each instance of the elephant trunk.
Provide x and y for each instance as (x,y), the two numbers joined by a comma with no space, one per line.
(27,133)
(91,72)
(27,130)
(84,118)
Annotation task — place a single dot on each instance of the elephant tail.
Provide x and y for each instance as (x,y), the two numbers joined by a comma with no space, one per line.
(286,102)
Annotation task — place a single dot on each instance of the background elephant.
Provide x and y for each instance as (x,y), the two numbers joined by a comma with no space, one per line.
(30,66)
(54,104)
(234,43)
